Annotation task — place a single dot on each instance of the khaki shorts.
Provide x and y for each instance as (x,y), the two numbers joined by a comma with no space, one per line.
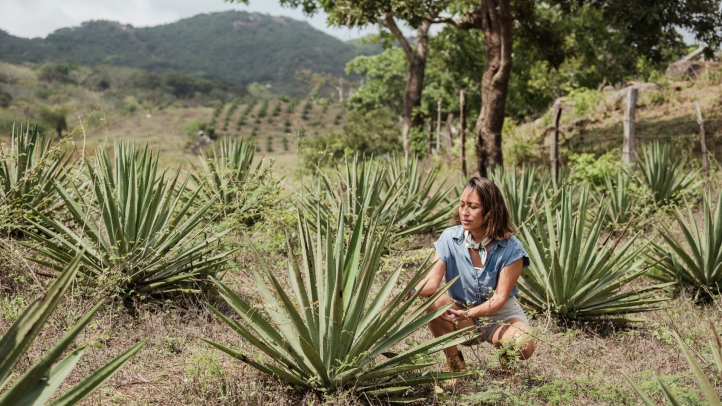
(486,326)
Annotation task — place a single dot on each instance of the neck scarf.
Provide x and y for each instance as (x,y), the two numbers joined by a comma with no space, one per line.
(480,247)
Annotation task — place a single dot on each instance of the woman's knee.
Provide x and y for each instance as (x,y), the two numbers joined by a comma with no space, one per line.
(526,347)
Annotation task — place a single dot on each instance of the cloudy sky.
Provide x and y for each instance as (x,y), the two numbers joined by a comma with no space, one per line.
(38,18)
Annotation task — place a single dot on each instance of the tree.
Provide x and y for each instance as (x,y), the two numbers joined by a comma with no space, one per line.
(643,22)
(420,15)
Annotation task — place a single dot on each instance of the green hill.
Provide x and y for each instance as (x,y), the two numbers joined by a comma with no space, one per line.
(235,45)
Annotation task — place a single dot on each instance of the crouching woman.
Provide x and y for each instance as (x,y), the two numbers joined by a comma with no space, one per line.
(481,250)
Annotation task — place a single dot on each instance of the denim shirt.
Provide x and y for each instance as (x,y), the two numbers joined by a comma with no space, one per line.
(476,285)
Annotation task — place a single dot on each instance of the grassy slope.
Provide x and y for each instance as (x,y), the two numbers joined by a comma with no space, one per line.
(574,364)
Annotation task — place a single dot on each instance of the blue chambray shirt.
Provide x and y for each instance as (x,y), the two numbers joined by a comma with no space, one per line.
(475,286)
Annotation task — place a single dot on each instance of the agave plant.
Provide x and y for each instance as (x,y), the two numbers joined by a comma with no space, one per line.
(333,331)
(572,275)
(28,170)
(698,371)
(40,382)
(522,192)
(621,199)
(396,191)
(227,175)
(663,175)
(146,242)
(697,263)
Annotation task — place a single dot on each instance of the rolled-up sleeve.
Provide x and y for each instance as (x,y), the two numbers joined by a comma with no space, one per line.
(515,252)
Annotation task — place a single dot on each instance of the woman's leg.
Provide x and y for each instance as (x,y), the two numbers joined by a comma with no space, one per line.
(513,334)
(439,326)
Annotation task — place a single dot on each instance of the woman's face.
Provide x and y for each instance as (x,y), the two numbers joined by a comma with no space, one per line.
(470,210)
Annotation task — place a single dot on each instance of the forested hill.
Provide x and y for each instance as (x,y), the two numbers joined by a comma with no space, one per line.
(235,45)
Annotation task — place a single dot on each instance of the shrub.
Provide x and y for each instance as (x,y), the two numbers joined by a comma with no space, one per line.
(572,275)
(662,174)
(40,382)
(333,331)
(146,242)
(373,133)
(592,169)
(698,261)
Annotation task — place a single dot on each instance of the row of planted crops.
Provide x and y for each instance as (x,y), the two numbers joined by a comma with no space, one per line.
(115,223)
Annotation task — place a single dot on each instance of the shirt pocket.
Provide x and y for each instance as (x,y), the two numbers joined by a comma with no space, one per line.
(488,279)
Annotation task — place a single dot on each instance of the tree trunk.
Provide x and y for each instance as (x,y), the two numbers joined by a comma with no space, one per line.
(496,22)
(416,58)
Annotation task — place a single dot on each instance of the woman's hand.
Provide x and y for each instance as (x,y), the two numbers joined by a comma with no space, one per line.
(453,316)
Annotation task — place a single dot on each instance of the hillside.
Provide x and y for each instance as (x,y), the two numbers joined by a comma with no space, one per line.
(235,45)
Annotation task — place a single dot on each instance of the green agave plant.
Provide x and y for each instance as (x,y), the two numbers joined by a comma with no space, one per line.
(28,170)
(227,175)
(621,199)
(663,175)
(332,332)
(697,263)
(40,382)
(395,191)
(522,191)
(572,275)
(698,371)
(147,241)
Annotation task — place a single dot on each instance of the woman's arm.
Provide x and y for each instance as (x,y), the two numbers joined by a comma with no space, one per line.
(432,281)
(507,279)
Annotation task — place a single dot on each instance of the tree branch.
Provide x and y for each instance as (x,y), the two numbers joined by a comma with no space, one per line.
(472,20)
(389,23)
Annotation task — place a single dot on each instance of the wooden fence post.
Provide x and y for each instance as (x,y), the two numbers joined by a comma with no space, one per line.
(438,127)
(462,106)
(702,140)
(554,140)
(628,153)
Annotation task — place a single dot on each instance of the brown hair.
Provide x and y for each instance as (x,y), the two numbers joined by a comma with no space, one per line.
(496,216)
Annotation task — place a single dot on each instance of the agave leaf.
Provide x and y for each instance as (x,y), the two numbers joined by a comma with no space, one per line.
(701,378)
(643,396)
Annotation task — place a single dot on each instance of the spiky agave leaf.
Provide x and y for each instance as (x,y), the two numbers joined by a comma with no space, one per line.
(42,380)
(522,191)
(697,260)
(395,191)
(571,275)
(697,371)
(228,177)
(28,169)
(329,331)
(146,238)
(663,175)
(621,201)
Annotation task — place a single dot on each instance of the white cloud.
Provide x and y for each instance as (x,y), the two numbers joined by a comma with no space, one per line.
(38,18)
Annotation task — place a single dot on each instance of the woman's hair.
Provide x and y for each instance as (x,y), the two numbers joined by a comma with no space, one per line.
(496,216)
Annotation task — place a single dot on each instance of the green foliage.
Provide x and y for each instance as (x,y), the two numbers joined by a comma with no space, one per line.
(522,191)
(386,86)
(228,181)
(572,275)
(371,133)
(419,141)
(28,170)
(592,169)
(698,261)
(664,175)
(147,240)
(585,99)
(40,382)
(57,72)
(697,371)
(395,192)
(622,199)
(263,110)
(269,144)
(330,334)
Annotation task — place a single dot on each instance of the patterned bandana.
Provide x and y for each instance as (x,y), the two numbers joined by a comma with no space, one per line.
(480,247)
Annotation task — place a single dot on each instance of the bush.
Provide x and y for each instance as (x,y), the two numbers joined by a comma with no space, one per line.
(57,72)
(592,169)
(373,133)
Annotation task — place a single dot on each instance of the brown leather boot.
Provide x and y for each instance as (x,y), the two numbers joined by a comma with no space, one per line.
(454,363)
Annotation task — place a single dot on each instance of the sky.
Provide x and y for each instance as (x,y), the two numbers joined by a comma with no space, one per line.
(38,18)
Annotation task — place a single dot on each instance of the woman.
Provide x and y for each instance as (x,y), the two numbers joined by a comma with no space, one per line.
(488,259)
